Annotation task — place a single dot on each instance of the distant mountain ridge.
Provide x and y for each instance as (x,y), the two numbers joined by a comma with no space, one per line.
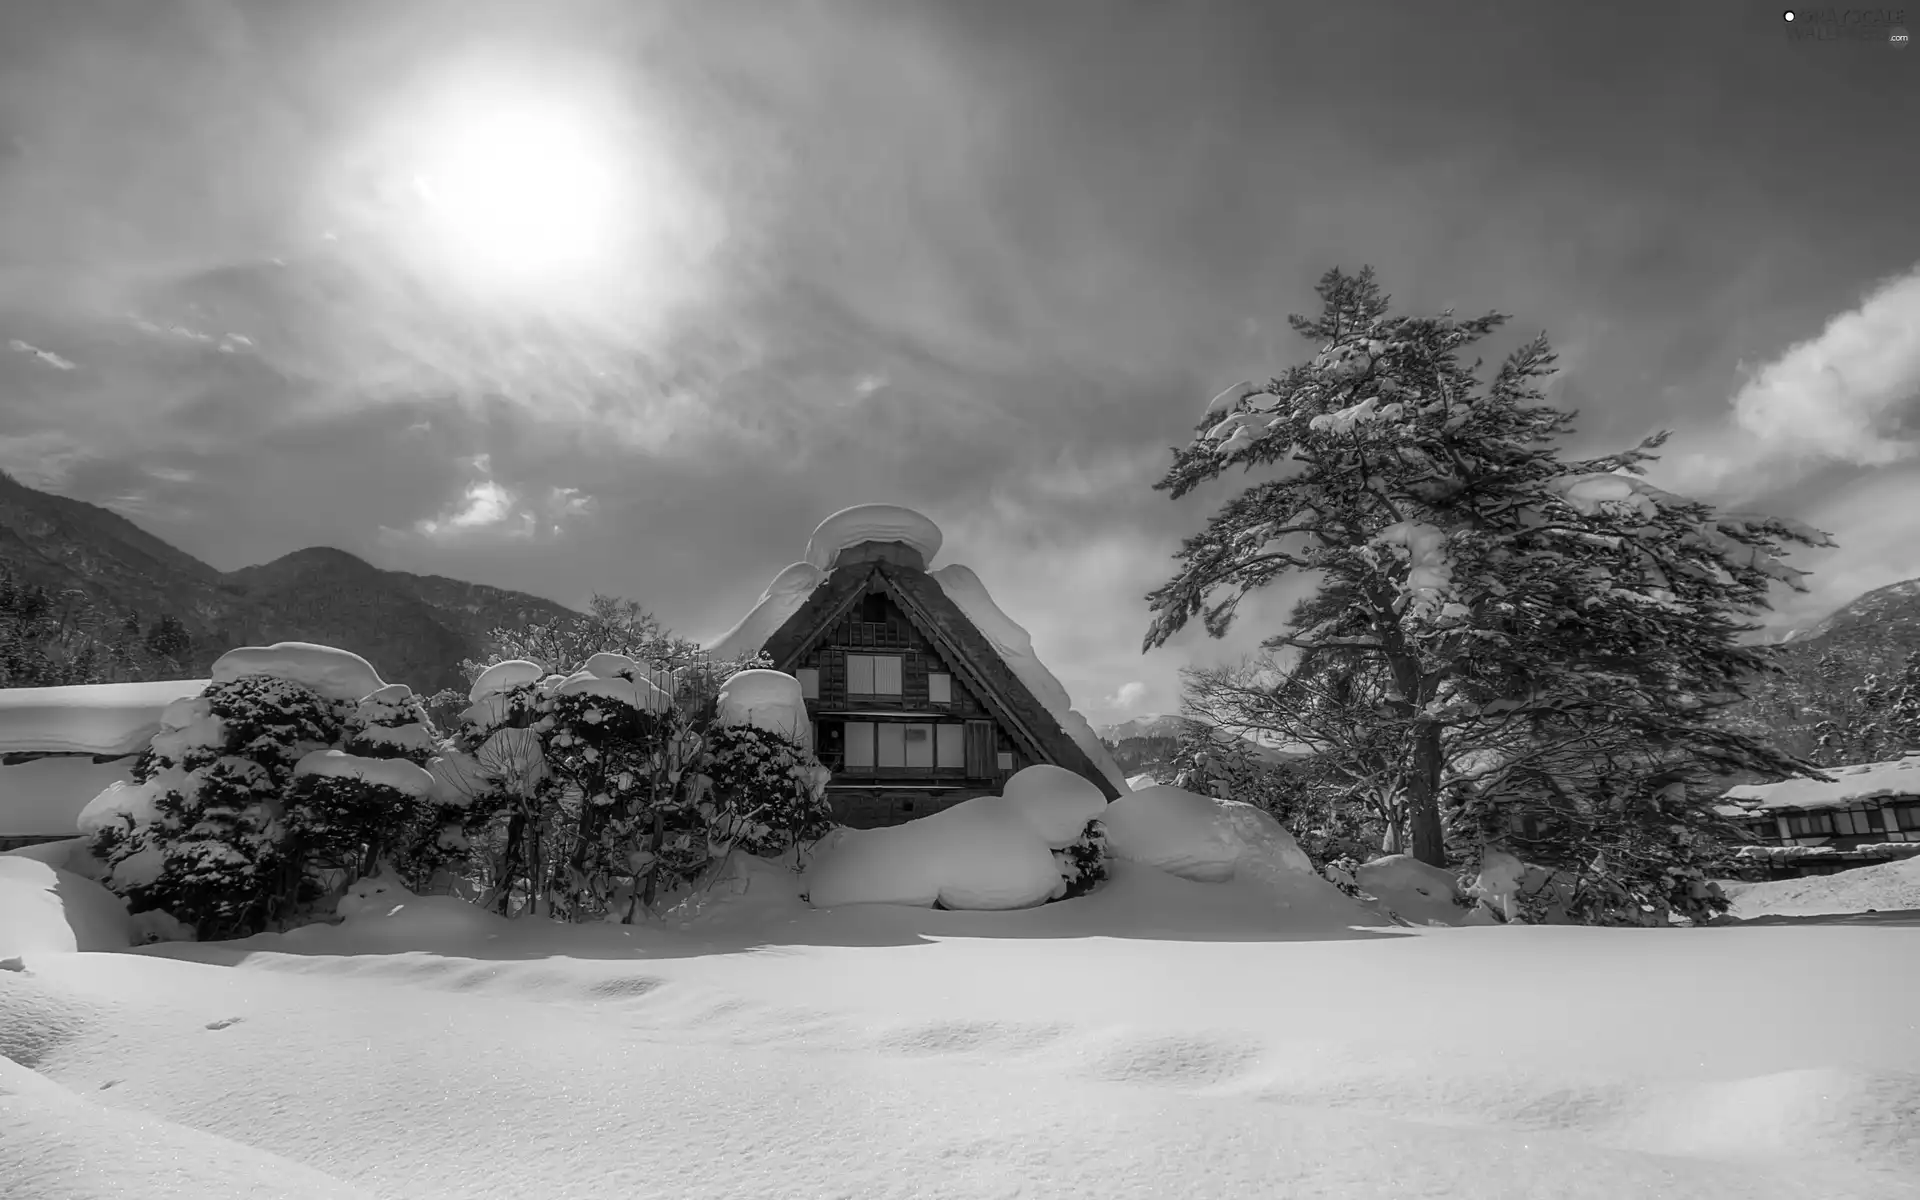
(1147,725)
(1885,621)
(414,629)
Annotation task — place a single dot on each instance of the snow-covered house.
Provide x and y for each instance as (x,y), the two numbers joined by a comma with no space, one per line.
(61,746)
(921,691)
(1868,813)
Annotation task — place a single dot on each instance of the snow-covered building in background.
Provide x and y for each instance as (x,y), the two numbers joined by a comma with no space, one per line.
(1868,813)
(61,746)
(921,692)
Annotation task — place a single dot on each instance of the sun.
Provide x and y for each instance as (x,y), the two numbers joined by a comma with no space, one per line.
(524,189)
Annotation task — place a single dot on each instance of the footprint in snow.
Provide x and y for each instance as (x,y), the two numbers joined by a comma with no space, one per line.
(224,1022)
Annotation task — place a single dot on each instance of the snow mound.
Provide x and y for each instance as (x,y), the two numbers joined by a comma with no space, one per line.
(378,915)
(501,676)
(1015,647)
(871,523)
(121,798)
(979,854)
(783,597)
(68,855)
(608,665)
(396,773)
(458,779)
(638,694)
(1883,887)
(1055,801)
(1415,891)
(335,674)
(1200,838)
(56,1144)
(1864,781)
(769,700)
(103,719)
(46,796)
(45,910)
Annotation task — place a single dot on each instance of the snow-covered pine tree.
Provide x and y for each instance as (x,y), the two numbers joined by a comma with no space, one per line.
(1879,719)
(1490,583)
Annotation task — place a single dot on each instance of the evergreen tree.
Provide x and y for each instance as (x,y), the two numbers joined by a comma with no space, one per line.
(1475,579)
(167,638)
(1877,719)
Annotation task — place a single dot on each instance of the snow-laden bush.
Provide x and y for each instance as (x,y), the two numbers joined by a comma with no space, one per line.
(765,792)
(618,805)
(1083,862)
(346,812)
(201,833)
(585,789)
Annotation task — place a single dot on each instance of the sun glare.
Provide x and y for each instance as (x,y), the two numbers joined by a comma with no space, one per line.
(524,190)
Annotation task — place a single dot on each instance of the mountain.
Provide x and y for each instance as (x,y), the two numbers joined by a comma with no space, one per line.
(1883,624)
(1150,725)
(415,629)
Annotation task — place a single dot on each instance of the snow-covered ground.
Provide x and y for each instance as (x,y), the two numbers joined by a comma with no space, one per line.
(1882,888)
(1159,1038)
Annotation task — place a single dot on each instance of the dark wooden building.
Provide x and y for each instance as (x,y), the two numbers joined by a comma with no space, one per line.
(1869,813)
(912,707)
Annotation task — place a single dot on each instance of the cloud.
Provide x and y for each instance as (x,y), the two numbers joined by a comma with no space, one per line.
(1128,696)
(46,356)
(1848,396)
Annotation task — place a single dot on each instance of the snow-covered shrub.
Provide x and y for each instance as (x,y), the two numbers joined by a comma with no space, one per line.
(201,835)
(765,792)
(1083,862)
(616,775)
(345,811)
(392,723)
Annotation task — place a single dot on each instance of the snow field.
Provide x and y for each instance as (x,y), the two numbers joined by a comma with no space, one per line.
(1884,887)
(1048,1052)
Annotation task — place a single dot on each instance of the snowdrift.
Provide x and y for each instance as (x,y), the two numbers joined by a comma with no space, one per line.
(47,910)
(107,719)
(1197,837)
(996,852)
(44,797)
(1883,887)
(1416,892)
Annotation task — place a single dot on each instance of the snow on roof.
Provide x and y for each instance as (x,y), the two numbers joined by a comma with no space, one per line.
(97,718)
(891,523)
(1015,647)
(783,597)
(44,797)
(1867,781)
(871,523)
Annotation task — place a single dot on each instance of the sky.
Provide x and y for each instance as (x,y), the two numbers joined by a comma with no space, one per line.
(627,296)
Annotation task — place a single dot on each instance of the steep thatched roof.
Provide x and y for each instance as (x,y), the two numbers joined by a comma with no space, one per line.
(959,642)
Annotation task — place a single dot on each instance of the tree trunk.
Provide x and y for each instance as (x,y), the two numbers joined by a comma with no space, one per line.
(1423,796)
(654,844)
